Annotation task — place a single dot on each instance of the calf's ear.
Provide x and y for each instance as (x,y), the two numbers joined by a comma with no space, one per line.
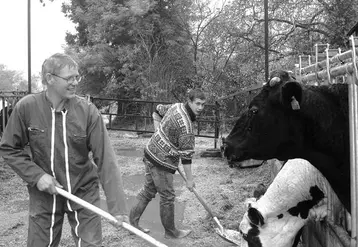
(255,217)
(291,95)
(249,202)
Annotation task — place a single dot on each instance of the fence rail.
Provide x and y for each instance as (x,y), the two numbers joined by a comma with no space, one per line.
(146,117)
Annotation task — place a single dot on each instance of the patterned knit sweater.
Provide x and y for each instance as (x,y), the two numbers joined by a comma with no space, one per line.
(175,134)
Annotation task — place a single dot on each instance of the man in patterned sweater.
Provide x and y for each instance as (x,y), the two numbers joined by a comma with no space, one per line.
(173,140)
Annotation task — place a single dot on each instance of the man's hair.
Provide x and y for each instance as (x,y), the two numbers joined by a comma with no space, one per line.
(196,94)
(55,64)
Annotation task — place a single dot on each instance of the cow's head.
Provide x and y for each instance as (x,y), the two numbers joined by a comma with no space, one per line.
(270,124)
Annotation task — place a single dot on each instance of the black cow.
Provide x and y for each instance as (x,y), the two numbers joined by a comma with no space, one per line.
(289,120)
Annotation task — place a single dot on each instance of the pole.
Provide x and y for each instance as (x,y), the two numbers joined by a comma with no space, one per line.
(353,120)
(266,41)
(352,90)
(29,45)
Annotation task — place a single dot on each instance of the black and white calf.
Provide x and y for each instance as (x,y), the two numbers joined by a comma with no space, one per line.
(298,193)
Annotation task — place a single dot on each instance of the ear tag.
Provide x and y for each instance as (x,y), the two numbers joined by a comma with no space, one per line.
(294,104)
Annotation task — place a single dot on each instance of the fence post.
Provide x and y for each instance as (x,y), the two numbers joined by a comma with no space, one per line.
(150,114)
(110,121)
(353,122)
(217,123)
(198,127)
(353,150)
(3,114)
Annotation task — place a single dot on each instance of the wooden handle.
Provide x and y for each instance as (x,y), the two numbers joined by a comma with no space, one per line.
(203,203)
(109,217)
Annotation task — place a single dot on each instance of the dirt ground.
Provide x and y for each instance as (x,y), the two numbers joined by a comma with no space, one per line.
(224,190)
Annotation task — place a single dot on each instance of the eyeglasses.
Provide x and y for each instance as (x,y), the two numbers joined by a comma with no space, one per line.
(70,79)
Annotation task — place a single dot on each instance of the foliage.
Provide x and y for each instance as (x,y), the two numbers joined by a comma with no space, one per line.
(158,49)
(128,49)
(12,80)
(8,78)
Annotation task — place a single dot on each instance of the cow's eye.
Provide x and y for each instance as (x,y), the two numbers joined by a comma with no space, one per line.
(249,128)
(254,111)
(244,235)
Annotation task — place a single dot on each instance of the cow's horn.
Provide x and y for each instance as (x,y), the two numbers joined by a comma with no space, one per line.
(274,81)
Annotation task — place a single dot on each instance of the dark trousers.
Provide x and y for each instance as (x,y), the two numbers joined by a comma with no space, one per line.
(47,213)
(157,181)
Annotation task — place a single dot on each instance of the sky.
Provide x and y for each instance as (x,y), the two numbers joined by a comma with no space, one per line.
(48,30)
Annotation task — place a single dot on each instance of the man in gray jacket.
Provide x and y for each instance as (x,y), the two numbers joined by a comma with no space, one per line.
(61,129)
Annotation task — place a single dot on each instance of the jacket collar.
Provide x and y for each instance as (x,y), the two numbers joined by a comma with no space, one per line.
(66,105)
(190,112)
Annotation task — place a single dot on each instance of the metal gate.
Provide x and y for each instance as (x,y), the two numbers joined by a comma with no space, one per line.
(136,116)
(8,99)
(342,65)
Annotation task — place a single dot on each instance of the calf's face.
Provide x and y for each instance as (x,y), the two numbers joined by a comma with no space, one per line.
(278,231)
(277,228)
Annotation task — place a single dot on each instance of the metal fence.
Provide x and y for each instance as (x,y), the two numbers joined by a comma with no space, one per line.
(136,116)
(344,65)
(125,114)
(8,99)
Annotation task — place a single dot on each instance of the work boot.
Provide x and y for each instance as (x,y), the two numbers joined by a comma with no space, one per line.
(136,212)
(167,218)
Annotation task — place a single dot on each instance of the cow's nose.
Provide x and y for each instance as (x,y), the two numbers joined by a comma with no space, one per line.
(227,152)
(230,161)
(229,158)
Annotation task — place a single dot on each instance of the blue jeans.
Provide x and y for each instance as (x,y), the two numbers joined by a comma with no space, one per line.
(157,181)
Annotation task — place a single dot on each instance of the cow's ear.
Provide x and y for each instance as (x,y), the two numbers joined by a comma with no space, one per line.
(291,95)
(255,217)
